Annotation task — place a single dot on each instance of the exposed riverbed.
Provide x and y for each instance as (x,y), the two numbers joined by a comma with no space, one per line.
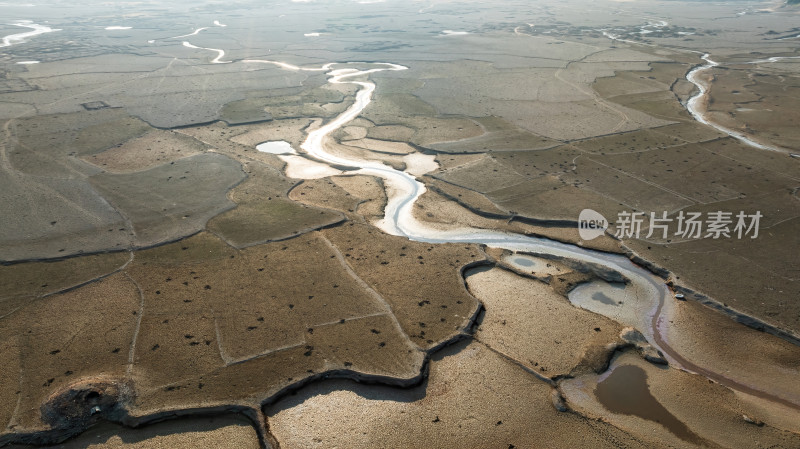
(648,306)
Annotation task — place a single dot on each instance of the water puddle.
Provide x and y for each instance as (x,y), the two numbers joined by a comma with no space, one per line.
(531,264)
(608,293)
(600,296)
(522,261)
(623,303)
(625,391)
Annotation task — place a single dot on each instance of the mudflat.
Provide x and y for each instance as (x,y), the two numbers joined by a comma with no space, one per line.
(410,266)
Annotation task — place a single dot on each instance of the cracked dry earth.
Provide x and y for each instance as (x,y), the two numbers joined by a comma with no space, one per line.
(199,325)
(182,290)
(237,317)
(341,336)
(223,321)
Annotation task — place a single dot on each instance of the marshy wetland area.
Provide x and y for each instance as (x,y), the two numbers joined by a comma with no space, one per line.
(359,224)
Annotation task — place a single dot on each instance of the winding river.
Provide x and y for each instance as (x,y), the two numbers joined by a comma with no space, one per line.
(696,104)
(19,38)
(220,53)
(653,304)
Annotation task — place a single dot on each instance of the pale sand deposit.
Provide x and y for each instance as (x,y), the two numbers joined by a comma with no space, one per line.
(276,147)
